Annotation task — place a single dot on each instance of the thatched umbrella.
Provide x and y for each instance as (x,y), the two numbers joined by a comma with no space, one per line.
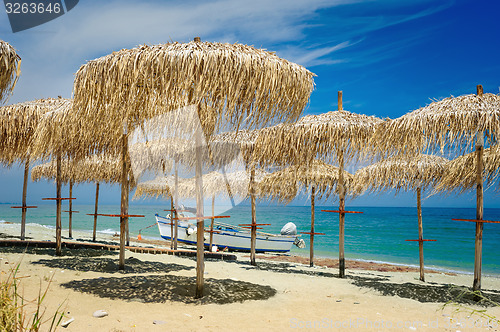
(406,174)
(321,178)
(334,136)
(10,69)
(461,172)
(452,123)
(94,169)
(51,140)
(223,81)
(18,124)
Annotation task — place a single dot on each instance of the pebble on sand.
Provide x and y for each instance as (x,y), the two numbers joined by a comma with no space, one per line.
(66,323)
(100,314)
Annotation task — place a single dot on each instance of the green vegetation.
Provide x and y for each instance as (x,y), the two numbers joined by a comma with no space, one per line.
(18,314)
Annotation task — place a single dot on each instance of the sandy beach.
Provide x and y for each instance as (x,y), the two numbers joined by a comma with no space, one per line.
(155,292)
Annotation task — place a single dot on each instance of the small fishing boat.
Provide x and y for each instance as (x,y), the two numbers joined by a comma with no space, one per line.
(230,237)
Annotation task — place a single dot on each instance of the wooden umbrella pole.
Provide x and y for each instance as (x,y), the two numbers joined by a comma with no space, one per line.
(341,203)
(95,210)
(479,205)
(311,259)
(58,205)
(127,228)
(479,213)
(200,265)
(341,216)
(124,200)
(176,201)
(253,237)
(25,190)
(420,233)
(212,225)
(70,233)
(171,224)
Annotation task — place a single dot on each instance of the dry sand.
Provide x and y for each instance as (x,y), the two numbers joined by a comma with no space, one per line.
(154,293)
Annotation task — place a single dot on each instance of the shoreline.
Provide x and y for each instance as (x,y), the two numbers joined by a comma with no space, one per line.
(47,234)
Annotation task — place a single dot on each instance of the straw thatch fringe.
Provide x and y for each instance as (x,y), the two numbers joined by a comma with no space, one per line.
(313,136)
(400,174)
(18,124)
(95,168)
(228,146)
(54,132)
(452,123)
(460,175)
(158,156)
(284,185)
(10,69)
(221,150)
(214,184)
(161,186)
(230,81)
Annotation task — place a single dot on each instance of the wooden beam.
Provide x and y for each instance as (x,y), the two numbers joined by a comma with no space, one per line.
(253,234)
(123,200)
(58,205)
(311,249)
(420,233)
(25,190)
(70,223)
(95,210)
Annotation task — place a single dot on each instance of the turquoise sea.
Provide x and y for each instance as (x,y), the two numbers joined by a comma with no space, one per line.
(378,234)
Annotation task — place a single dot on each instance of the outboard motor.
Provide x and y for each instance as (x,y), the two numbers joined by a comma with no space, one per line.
(289,229)
(190,230)
(300,243)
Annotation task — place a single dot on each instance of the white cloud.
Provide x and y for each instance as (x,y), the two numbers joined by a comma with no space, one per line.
(53,51)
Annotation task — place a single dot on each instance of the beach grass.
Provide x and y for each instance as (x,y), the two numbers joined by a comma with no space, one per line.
(19,314)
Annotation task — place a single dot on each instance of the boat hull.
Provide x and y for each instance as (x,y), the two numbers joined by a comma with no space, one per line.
(232,239)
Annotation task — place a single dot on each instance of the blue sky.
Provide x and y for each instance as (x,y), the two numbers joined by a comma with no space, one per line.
(389,57)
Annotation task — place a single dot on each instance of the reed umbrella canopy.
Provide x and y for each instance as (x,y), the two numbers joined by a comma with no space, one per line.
(398,173)
(231,81)
(218,184)
(53,136)
(161,186)
(18,125)
(451,124)
(461,174)
(228,146)
(324,136)
(284,185)
(10,69)
(96,168)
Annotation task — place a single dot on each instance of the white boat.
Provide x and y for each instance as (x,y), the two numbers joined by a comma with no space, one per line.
(232,237)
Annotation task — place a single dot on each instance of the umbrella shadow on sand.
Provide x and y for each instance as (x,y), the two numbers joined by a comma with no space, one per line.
(287,268)
(109,265)
(159,289)
(429,292)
